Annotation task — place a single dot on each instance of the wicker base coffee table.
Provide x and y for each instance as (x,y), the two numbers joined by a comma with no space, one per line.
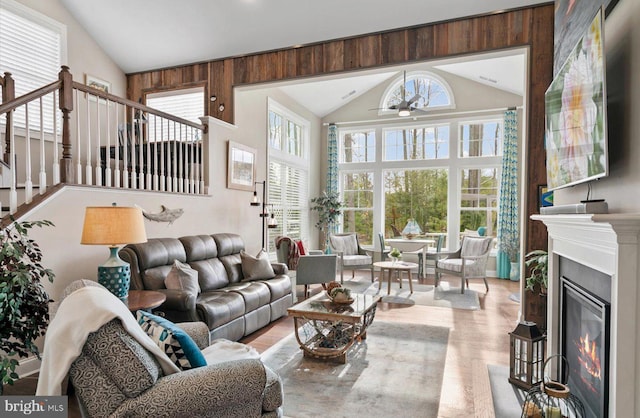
(326,330)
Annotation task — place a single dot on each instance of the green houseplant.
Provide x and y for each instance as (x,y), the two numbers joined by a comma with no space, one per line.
(329,208)
(24,303)
(537,262)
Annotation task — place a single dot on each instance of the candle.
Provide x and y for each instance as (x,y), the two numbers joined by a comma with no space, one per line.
(552,412)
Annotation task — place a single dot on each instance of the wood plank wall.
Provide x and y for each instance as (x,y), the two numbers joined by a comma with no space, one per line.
(526,27)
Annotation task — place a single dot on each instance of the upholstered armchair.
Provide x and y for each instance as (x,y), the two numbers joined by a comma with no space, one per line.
(351,256)
(468,262)
(314,268)
(119,371)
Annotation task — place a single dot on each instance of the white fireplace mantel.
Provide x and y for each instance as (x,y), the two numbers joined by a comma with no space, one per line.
(608,243)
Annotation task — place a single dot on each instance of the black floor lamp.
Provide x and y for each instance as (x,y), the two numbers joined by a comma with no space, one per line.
(272,222)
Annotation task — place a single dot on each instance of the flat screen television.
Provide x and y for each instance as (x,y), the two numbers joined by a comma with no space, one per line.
(576,118)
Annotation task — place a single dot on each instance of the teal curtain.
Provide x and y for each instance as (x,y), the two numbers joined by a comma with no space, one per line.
(508,225)
(332,169)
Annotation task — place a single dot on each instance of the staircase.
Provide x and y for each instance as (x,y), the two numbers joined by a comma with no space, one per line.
(69,133)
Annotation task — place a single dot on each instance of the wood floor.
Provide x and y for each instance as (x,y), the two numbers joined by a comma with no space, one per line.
(476,339)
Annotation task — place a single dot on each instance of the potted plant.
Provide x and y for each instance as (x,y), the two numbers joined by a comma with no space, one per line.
(24,303)
(537,263)
(329,208)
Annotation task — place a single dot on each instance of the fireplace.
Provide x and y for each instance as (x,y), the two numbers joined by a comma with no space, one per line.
(585,334)
(605,247)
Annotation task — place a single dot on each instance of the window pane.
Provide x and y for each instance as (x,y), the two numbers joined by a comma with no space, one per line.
(358,147)
(294,135)
(482,139)
(418,194)
(421,143)
(275,130)
(425,90)
(357,196)
(479,199)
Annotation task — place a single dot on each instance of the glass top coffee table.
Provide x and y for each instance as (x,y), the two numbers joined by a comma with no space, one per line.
(326,330)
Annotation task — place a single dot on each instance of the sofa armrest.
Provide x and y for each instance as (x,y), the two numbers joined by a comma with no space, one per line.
(232,388)
(178,300)
(198,331)
(280,268)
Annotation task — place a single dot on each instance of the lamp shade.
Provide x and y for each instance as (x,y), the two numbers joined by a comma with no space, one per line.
(113,226)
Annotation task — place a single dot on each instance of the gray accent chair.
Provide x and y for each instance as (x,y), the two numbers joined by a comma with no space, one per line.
(115,376)
(314,268)
(468,262)
(351,256)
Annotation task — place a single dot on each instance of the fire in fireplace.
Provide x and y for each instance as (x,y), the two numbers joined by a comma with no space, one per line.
(585,345)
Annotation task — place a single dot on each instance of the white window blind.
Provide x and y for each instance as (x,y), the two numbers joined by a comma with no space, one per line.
(32,49)
(185,103)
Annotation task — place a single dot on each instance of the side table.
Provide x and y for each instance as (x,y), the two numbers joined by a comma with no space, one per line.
(398,266)
(145,300)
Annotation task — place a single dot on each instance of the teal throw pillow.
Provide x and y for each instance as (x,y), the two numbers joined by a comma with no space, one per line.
(172,340)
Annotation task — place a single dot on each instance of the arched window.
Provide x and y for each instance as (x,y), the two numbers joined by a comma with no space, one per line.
(424,90)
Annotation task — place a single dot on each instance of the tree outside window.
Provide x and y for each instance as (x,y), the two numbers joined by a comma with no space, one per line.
(418,194)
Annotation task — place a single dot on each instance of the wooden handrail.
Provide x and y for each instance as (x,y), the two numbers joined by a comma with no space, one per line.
(90,90)
(36,94)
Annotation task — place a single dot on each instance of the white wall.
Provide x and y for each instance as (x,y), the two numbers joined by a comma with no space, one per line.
(622,50)
(84,56)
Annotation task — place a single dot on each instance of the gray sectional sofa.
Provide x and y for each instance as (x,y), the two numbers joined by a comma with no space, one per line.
(230,306)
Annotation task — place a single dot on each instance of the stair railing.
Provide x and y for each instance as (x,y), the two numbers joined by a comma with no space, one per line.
(104,140)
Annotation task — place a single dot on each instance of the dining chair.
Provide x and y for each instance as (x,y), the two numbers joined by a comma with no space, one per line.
(384,249)
(468,262)
(432,256)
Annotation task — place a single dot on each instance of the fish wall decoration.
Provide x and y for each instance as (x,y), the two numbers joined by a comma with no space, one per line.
(165,215)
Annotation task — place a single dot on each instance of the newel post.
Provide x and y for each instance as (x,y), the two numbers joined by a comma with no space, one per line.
(67,174)
(8,94)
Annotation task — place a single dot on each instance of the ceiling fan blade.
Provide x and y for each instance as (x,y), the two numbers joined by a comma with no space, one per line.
(414,99)
(418,110)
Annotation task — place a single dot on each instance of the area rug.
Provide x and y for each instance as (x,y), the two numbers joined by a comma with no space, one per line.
(396,371)
(444,295)
(507,399)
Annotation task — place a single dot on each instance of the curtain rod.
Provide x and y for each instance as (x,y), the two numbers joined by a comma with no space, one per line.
(464,112)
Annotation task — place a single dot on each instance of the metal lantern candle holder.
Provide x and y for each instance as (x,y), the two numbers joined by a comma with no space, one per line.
(552,399)
(527,350)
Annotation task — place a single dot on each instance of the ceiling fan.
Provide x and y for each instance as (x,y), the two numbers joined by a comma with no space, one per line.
(405,107)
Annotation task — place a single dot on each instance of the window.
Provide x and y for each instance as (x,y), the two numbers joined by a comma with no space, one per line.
(32,48)
(291,143)
(418,194)
(357,196)
(184,103)
(479,199)
(288,190)
(481,139)
(419,143)
(424,89)
(357,146)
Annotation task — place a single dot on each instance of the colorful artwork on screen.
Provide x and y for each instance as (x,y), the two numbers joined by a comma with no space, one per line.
(576,114)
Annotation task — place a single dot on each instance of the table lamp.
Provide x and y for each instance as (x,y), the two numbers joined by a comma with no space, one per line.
(114,226)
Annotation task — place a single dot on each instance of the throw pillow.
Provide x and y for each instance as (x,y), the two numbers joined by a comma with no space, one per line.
(256,268)
(182,277)
(172,340)
(301,247)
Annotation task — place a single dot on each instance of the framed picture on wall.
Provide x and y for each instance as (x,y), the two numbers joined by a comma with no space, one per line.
(241,166)
(96,83)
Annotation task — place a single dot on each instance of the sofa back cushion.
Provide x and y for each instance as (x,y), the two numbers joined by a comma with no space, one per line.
(202,253)
(229,248)
(155,258)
